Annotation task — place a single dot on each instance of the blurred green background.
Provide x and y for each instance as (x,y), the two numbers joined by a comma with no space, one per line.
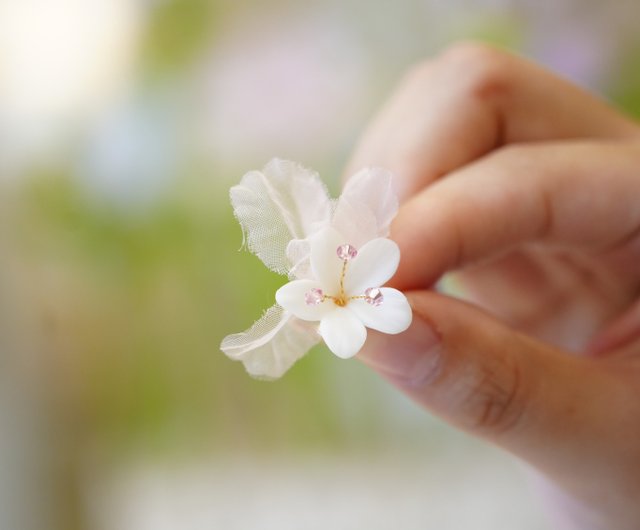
(122,125)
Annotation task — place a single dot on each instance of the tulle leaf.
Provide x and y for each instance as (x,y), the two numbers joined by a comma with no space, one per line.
(282,202)
(272,345)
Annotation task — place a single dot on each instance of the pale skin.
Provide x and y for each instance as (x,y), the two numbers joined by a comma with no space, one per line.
(527,189)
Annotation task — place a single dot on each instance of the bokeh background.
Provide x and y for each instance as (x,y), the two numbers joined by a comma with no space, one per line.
(122,125)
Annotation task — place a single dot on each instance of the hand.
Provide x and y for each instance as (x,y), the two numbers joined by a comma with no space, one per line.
(525,190)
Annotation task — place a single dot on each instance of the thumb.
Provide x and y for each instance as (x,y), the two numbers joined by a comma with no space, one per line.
(494,382)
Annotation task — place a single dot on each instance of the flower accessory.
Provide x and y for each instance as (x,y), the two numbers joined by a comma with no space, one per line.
(336,256)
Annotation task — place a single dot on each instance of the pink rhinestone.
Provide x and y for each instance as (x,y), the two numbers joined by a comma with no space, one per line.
(314,297)
(346,252)
(374,296)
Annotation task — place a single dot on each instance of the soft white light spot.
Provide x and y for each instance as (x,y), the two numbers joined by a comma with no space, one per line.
(60,62)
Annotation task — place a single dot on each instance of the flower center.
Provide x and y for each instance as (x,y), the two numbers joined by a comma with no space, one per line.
(373,295)
(340,301)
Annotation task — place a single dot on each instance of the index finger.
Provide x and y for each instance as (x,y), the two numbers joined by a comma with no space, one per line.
(571,194)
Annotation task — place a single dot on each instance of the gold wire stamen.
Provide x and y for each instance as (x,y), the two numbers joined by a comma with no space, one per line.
(342,299)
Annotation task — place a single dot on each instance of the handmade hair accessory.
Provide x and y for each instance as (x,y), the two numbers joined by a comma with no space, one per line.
(337,258)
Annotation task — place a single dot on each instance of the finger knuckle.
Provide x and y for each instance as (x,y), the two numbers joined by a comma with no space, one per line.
(482,71)
(495,397)
(475,69)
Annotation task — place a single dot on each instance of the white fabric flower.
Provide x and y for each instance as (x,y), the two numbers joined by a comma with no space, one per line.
(336,255)
(345,294)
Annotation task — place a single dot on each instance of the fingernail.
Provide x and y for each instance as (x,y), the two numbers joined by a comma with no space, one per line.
(412,358)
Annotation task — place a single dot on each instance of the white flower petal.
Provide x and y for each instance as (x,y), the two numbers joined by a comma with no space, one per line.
(366,207)
(326,266)
(291,296)
(375,264)
(271,346)
(343,332)
(283,202)
(392,316)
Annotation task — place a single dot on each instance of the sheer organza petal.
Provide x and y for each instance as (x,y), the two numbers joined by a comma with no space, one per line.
(273,344)
(366,207)
(282,202)
(375,264)
(291,297)
(343,332)
(298,255)
(326,266)
(393,316)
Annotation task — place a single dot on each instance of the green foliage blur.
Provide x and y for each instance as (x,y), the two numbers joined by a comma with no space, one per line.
(135,308)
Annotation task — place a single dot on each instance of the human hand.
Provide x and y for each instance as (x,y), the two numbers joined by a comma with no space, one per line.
(526,190)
